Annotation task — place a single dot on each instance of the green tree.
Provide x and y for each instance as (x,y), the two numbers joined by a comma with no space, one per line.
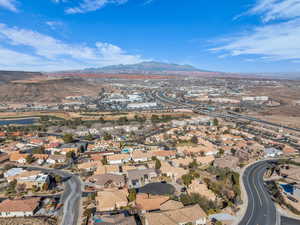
(58,179)
(193,165)
(132,195)
(70,155)
(187,179)
(34,188)
(89,137)
(39,150)
(68,138)
(30,159)
(221,152)
(216,122)
(107,136)
(194,140)
(11,188)
(104,161)
(81,149)
(157,164)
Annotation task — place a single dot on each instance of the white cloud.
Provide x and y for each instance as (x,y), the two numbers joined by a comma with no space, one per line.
(54,54)
(92,5)
(16,57)
(276,9)
(277,38)
(274,42)
(54,24)
(9,4)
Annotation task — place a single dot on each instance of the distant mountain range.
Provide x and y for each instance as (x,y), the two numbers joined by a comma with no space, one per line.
(146,66)
(151,67)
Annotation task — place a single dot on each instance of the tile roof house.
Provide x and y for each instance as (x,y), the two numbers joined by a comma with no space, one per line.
(140,177)
(172,172)
(89,166)
(96,157)
(65,150)
(287,150)
(139,156)
(19,207)
(171,205)
(40,158)
(126,168)
(189,214)
(111,200)
(107,181)
(205,159)
(108,169)
(18,157)
(148,203)
(118,159)
(3,157)
(163,155)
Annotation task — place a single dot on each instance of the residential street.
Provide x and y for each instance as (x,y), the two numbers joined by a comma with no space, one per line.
(70,197)
(260,209)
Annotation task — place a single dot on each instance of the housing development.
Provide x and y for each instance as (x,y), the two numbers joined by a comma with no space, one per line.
(149,112)
(156,151)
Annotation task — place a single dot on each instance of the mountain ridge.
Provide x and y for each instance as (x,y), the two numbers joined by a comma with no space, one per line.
(146,67)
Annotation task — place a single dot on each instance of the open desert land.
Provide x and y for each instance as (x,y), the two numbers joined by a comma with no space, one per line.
(45,90)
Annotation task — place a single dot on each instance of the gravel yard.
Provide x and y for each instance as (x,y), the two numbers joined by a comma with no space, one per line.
(27,221)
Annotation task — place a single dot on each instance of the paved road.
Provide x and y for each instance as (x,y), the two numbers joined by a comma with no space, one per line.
(289,221)
(261,209)
(71,200)
(71,196)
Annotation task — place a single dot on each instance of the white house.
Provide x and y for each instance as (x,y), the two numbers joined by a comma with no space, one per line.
(117,159)
(53,159)
(139,156)
(272,152)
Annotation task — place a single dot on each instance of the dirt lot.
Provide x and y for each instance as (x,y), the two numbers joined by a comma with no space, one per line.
(280,119)
(27,221)
(287,94)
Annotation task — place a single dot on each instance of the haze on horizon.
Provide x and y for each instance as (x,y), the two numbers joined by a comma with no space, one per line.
(51,35)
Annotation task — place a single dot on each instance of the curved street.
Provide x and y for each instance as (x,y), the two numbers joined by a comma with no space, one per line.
(261,209)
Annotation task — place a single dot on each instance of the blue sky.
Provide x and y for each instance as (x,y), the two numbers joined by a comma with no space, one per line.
(219,35)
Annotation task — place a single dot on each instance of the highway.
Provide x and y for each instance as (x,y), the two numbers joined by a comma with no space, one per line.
(160,96)
(261,209)
(70,199)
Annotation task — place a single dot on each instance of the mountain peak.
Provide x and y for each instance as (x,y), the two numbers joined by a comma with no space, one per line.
(146,66)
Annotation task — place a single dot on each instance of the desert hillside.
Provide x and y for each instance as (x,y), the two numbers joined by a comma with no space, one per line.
(45,91)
